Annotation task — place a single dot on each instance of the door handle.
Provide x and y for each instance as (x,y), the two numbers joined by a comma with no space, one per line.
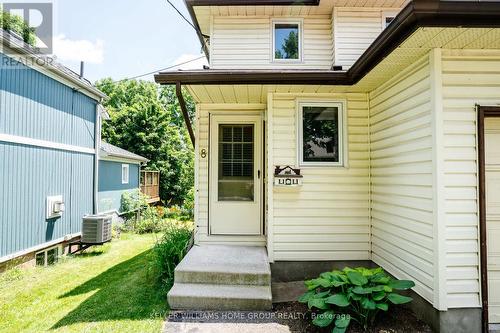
(258,174)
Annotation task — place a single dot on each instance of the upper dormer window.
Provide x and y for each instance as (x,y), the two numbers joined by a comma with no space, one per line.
(287,40)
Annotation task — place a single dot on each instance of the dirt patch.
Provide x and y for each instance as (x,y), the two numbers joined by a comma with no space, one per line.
(398,320)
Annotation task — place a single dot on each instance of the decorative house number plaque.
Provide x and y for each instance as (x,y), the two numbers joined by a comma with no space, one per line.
(287,177)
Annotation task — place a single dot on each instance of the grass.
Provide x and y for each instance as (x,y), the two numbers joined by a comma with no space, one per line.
(110,289)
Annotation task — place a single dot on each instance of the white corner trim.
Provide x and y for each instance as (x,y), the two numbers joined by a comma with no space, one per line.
(45,144)
(270,178)
(439,203)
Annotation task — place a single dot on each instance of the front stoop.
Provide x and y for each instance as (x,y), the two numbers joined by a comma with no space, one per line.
(219,277)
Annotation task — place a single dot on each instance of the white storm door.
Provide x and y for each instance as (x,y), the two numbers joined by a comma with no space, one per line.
(235,175)
(492,175)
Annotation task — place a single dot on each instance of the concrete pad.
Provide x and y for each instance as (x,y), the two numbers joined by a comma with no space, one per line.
(235,260)
(219,297)
(224,328)
(494,328)
(287,291)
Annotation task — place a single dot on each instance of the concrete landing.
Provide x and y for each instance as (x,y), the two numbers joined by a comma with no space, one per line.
(218,277)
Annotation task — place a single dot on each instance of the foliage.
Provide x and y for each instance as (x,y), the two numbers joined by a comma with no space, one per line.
(170,250)
(353,294)
(133,201)
(96,291)
(142,218)
(146,120)
(290,47)
(15,23)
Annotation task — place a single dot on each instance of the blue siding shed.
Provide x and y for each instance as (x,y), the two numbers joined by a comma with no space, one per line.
(111,185)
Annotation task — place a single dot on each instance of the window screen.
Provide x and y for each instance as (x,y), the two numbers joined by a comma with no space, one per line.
(236,163)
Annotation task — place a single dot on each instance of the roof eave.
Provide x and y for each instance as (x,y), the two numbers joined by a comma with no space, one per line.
(98,95)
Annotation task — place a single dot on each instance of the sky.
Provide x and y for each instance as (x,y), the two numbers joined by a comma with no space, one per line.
(122,38)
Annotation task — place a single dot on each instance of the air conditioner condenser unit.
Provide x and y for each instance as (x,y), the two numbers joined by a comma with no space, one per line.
(96,229)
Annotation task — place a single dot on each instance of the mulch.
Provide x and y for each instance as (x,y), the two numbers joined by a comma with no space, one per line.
(398,320)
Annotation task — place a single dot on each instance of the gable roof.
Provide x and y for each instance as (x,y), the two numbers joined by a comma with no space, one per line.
(110,150)
(48,64)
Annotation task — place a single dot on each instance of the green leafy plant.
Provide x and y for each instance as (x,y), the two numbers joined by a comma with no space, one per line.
(170,250)
(359,294)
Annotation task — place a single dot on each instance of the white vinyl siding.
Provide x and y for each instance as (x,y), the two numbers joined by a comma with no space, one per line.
(402,177)
(355,29)
(469,78)
(328,217)
(246,43)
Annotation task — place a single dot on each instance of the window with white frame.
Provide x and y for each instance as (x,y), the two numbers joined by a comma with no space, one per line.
(321,132)
(125,173)
(287,42)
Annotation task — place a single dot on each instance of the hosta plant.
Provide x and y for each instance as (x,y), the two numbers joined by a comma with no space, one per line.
(339,297)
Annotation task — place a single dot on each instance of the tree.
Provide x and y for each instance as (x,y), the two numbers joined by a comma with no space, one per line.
(289,48)
(15,23)
(146,120)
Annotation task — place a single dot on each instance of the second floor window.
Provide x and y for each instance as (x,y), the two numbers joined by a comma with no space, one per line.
(287,43)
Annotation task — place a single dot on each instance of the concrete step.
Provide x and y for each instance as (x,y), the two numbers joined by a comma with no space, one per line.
(226,265)
(219,297)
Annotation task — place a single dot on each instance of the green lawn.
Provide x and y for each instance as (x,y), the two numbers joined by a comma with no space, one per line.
(110,289)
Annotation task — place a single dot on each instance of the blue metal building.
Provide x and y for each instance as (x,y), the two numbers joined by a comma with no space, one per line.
(119,172)
(49,142)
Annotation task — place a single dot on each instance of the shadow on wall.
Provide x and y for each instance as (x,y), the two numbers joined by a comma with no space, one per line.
(127,291)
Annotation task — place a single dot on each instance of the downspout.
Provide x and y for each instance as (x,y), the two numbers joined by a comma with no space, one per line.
(182,104)
(97,146)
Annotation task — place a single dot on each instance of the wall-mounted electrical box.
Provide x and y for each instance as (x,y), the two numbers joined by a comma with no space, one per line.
(55,206)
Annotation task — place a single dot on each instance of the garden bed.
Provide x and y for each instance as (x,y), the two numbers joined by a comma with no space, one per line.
(398,320)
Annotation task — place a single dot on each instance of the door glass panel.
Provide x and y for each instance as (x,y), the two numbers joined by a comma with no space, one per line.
(236,157)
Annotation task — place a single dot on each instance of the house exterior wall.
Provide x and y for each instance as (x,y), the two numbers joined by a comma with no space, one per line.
(355,29)
(246,46)
(34,106)
(469,78)
(402,208)
(111,189)
(328,217)
(413,141)
(245,42)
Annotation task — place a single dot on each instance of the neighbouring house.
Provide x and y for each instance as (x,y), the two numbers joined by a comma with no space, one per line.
(119,173)
(49,144)
(387,115)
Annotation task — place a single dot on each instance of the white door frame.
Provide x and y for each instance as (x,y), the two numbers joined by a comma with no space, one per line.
(236,118)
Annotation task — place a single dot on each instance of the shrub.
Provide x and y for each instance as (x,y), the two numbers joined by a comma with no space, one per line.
(352,294)
(170,250)
(132,202)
